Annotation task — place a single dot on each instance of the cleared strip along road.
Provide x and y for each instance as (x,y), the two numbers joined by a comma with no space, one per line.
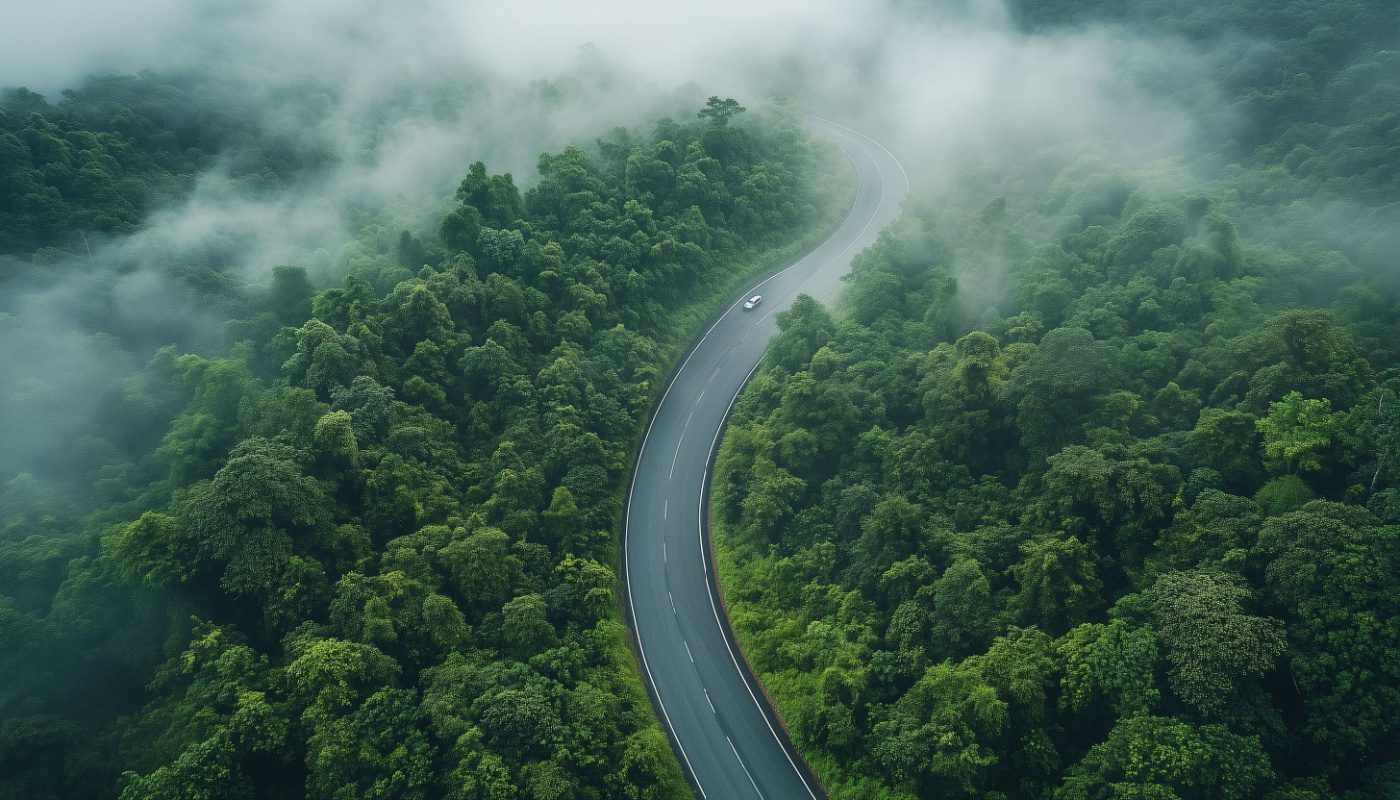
(720,725)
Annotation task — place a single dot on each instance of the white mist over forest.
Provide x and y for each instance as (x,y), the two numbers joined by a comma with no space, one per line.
(329,330)
(393,101)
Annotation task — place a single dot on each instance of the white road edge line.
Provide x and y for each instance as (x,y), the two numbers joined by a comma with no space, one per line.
(872,141)
(700,518)
(800,261)
(626,568)
(631,491)
(714,606)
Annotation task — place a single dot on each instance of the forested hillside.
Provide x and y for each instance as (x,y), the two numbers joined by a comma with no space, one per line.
(372,555)
(1087,488)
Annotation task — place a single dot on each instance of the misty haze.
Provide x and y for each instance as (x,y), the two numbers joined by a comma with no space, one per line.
(382,416)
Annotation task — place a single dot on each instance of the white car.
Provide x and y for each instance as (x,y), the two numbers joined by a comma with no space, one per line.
(753,301)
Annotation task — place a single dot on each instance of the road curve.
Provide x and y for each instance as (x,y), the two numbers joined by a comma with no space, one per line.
(721,727)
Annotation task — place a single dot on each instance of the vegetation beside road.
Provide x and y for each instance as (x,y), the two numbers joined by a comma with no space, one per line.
(1081,493)
(372,554)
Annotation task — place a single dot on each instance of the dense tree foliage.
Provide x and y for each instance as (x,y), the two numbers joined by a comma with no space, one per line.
(115,149)
(372,554)
(1081,494)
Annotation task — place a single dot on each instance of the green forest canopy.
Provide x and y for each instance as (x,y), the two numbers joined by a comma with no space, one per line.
(370,553)
(1109,512)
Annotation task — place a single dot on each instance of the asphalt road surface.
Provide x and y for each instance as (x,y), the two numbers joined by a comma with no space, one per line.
(724,732)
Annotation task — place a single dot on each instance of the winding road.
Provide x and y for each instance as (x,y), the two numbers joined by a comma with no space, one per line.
(722,728)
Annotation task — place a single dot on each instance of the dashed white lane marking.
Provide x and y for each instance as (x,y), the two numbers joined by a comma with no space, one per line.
(665,509)
(687,651)
(708,700)
(663,553)
(641,649)
(673,602)
(741,764)
(679,442)
(714,606)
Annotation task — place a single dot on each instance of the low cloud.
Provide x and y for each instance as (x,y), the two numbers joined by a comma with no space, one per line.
(400,98)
